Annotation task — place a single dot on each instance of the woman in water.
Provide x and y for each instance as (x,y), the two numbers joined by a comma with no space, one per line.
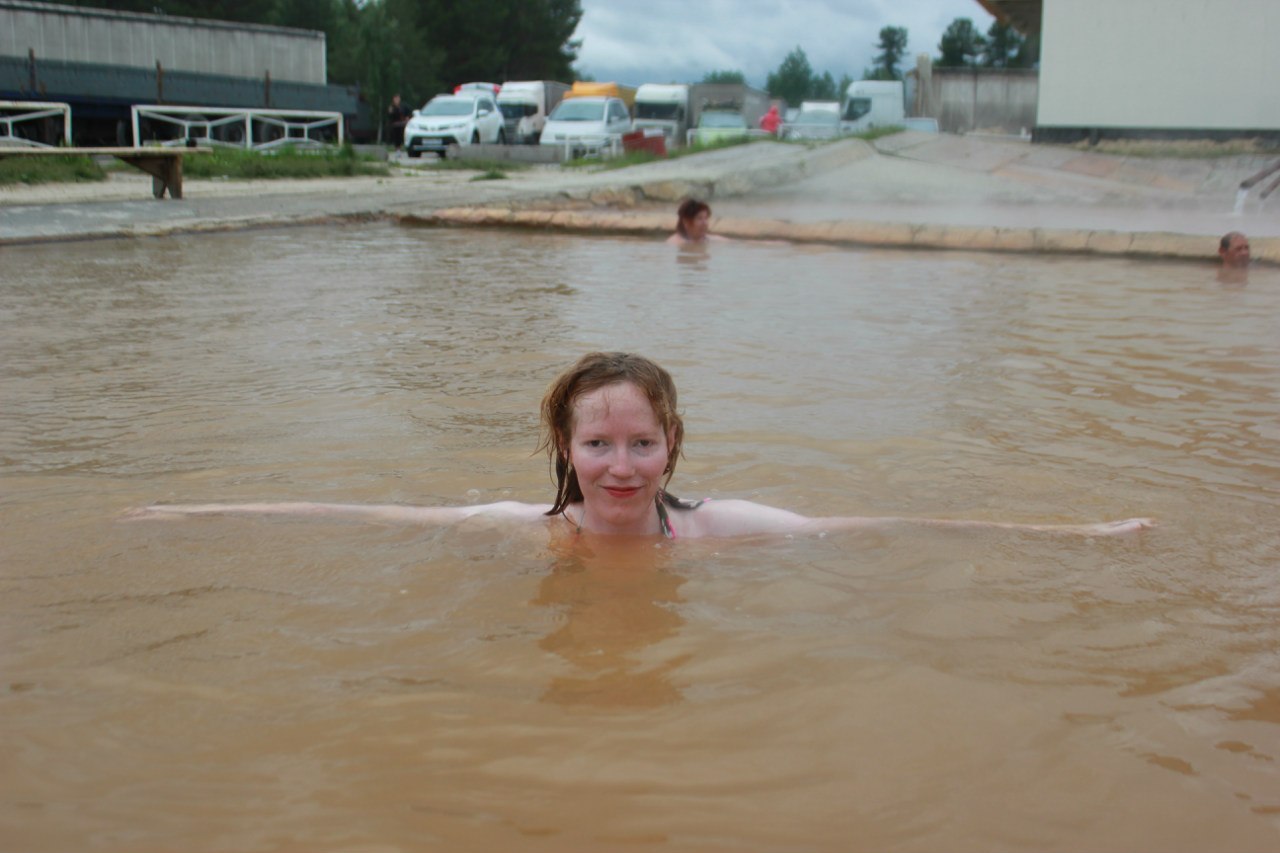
(693,219)
(613,435)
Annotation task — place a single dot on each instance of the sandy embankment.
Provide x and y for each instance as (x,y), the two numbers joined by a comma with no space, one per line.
(918,192)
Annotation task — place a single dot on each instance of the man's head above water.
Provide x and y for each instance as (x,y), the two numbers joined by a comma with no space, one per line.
(1233,248)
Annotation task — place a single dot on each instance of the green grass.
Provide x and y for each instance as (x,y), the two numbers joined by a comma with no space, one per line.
(866,135)
(636,158)
(49,170)
(877,132)
(490,175)
(287,162)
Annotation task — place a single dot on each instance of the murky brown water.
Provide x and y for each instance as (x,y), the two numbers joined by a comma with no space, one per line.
(269,685)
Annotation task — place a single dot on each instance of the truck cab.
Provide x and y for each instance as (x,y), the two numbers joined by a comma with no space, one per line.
(869,104)
(663,107)
(525,105)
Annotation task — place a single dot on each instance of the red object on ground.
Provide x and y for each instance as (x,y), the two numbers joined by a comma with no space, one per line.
(638,141)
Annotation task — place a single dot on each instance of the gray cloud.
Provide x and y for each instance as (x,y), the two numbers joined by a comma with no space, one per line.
(653,41)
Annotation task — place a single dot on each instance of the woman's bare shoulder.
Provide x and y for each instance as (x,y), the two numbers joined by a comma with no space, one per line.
(736,517)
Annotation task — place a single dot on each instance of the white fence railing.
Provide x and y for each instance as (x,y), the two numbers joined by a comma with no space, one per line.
(24,123)
(258,129)
(590,146)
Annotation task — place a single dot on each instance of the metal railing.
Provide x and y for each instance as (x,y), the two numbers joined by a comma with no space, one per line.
(590,146)
(1249,183)
(18,123)
(256,129)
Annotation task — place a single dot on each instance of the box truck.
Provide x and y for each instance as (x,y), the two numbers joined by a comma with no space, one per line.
(723,104)
(583,89)
(663,107)
(525,105)
(872,103)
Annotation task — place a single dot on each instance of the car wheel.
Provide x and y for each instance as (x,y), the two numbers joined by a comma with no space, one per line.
(413,154)
(475,137)
(502,136)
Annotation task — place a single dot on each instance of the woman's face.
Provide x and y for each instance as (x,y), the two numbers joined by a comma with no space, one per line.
(696,228)
(619,451)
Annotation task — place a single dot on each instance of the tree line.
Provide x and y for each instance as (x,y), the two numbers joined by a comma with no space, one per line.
(961,45)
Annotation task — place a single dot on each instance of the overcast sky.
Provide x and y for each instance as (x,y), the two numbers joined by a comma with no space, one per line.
(662,41)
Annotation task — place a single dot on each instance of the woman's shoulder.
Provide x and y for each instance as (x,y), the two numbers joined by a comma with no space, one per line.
(734,517)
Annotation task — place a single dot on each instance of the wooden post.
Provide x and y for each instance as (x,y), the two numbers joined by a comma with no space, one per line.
(924,105)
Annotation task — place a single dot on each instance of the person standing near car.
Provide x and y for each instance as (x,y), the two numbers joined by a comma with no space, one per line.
(397,118)
(771,121)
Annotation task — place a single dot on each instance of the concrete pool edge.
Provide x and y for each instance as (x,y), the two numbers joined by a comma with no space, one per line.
(1138,244)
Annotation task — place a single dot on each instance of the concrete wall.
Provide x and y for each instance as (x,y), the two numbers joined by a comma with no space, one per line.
(966,99)
(1210,65)
(75,34)
(988,99)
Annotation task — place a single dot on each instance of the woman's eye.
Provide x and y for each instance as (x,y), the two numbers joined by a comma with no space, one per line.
(645,442)
(595,442)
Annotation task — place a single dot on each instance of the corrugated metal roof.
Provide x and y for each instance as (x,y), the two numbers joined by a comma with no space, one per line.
(1024,15)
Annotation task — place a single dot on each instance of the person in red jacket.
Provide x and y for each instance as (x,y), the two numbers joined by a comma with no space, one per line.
(770,121)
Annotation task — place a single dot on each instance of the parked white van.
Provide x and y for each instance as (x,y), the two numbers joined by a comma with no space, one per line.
(589,123)
(872,103)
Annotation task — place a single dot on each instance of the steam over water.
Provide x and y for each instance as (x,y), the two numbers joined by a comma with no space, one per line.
(266,684)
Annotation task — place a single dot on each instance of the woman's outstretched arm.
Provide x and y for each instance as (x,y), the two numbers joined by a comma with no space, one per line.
(747,518)
(378,513)
(1098,528)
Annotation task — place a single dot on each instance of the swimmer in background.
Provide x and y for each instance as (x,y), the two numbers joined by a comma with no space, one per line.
(1233,251)
(613,434)
(693,223)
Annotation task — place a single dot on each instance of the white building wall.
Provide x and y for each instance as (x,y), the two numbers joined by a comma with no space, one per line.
(1174,64)
(84,34)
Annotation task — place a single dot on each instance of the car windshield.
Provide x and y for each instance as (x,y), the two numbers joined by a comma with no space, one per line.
(667,112)
(449,107)
(857,108)
(579,110)
(722,120)
(510,110)
(818,117)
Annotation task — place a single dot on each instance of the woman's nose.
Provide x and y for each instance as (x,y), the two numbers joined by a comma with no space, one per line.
(621,462)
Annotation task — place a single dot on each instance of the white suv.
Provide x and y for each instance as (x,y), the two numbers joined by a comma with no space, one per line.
(468,118)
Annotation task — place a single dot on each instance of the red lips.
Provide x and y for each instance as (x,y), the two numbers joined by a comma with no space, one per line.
(620,492)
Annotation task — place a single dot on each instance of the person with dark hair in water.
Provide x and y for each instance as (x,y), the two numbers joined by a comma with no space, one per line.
(613,434)
(693,220)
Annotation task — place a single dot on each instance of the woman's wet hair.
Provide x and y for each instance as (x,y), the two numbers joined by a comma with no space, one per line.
(687,212)
(593,371)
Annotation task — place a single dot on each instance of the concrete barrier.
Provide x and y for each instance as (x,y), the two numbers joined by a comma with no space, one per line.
(1059,241)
